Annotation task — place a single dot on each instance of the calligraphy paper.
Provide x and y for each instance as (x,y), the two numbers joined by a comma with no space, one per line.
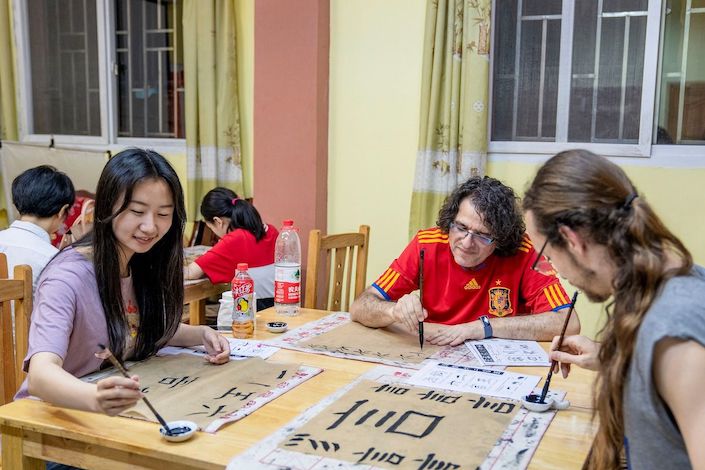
(398,426)
(239,349)
(496,383)
(356,340)
(296,339)
(508,352)
(186,387)
(512,451)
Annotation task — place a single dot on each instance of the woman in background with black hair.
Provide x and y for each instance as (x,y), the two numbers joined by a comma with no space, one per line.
(244,238)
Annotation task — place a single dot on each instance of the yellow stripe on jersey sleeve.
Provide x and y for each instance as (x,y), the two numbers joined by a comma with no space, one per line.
(389,282)
(562,300)
(387,274)
(549,296)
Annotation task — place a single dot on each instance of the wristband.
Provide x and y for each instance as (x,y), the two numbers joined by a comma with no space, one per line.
(486,325)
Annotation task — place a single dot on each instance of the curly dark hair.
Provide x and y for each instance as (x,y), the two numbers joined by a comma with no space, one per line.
(497,205)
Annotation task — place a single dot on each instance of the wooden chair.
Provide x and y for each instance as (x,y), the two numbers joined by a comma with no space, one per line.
(339,259)
(202,235)
(19,290)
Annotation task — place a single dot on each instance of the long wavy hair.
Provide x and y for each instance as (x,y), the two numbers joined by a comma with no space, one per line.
(157,275)
(224,202)
(497,205)
(594,197)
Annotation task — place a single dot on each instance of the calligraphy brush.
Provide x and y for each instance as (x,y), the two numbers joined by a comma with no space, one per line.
(107,354)
(421,296)
(560,343)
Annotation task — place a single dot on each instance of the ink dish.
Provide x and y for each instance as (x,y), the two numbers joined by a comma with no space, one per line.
(277,326)
(533,403)
(180,431)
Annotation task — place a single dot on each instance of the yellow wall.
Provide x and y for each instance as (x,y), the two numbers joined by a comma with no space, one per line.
(374,113)
(375,76)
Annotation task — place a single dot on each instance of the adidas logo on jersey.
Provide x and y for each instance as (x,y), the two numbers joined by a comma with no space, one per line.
(472,285)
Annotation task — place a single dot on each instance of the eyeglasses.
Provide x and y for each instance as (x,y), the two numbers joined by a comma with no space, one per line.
(484,239)
(542,264)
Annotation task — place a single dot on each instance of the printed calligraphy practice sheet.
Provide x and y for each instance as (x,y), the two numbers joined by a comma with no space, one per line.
(496,383)
(186,387)
(239,349)
(379,421)
(336,335)
(508,352)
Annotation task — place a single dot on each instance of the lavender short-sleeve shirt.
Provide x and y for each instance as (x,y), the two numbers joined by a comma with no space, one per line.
(68,318)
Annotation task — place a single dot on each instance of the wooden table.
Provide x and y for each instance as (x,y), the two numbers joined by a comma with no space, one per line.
(195,295)
(33,431)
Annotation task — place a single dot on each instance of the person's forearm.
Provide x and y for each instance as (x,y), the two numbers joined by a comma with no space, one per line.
(54,385)
(193,271)
(372,311)
(538,327)
(187,335)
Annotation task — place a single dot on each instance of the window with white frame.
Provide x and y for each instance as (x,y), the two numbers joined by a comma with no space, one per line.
(95,71)
(681,104)
(587,72)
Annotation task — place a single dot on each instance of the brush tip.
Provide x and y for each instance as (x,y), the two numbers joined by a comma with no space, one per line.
(101,346)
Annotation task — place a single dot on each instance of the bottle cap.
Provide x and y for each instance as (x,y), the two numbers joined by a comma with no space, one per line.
(242,266)
(288,223)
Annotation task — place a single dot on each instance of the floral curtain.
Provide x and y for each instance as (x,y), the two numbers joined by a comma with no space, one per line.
(212,105)
(454,94)
(8,109)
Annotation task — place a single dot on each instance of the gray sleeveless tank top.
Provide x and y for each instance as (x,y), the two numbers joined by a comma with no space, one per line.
(652,438)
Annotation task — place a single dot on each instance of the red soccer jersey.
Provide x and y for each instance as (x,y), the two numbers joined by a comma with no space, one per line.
(237,246)
(501,286)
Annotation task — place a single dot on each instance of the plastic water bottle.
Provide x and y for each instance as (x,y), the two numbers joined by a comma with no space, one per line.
(243,303)
(287,271)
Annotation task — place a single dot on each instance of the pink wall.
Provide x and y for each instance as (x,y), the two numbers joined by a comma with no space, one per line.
(291,113)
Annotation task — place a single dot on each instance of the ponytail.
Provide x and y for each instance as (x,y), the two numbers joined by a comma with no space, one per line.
(224,202)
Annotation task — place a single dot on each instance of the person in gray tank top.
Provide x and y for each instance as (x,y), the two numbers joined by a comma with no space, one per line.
(607,241)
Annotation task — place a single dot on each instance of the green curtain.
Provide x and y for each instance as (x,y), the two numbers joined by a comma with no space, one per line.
(8,108)
(454,93)
(212,105)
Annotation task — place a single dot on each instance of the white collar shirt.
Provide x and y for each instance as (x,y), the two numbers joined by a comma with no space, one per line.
(26,243)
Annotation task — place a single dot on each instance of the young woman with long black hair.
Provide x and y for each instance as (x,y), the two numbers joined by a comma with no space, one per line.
(121,285)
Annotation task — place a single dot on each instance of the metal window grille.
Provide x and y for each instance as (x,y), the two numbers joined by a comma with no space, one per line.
(149,68)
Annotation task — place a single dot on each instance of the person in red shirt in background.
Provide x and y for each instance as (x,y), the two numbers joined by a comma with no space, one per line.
(481,278)
(244,238)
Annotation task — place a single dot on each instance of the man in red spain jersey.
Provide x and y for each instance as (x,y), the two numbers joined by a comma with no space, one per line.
(478,276)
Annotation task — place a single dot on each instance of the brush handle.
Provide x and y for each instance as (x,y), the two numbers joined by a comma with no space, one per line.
(113,360)
(546,384)
(560,343)
(421,256)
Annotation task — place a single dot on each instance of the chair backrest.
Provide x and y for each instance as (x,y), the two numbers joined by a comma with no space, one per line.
(340,258)
(14,350)
(202,235)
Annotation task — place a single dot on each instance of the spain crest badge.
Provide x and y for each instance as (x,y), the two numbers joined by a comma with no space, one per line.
(500,303)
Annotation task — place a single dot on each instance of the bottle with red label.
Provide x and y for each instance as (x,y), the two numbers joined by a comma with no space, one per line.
(243,303)
(287,271)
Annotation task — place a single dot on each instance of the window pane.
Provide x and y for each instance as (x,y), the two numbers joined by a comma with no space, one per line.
(681,114)
(150,68)
(64,67)
(526,62)
(608,64)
